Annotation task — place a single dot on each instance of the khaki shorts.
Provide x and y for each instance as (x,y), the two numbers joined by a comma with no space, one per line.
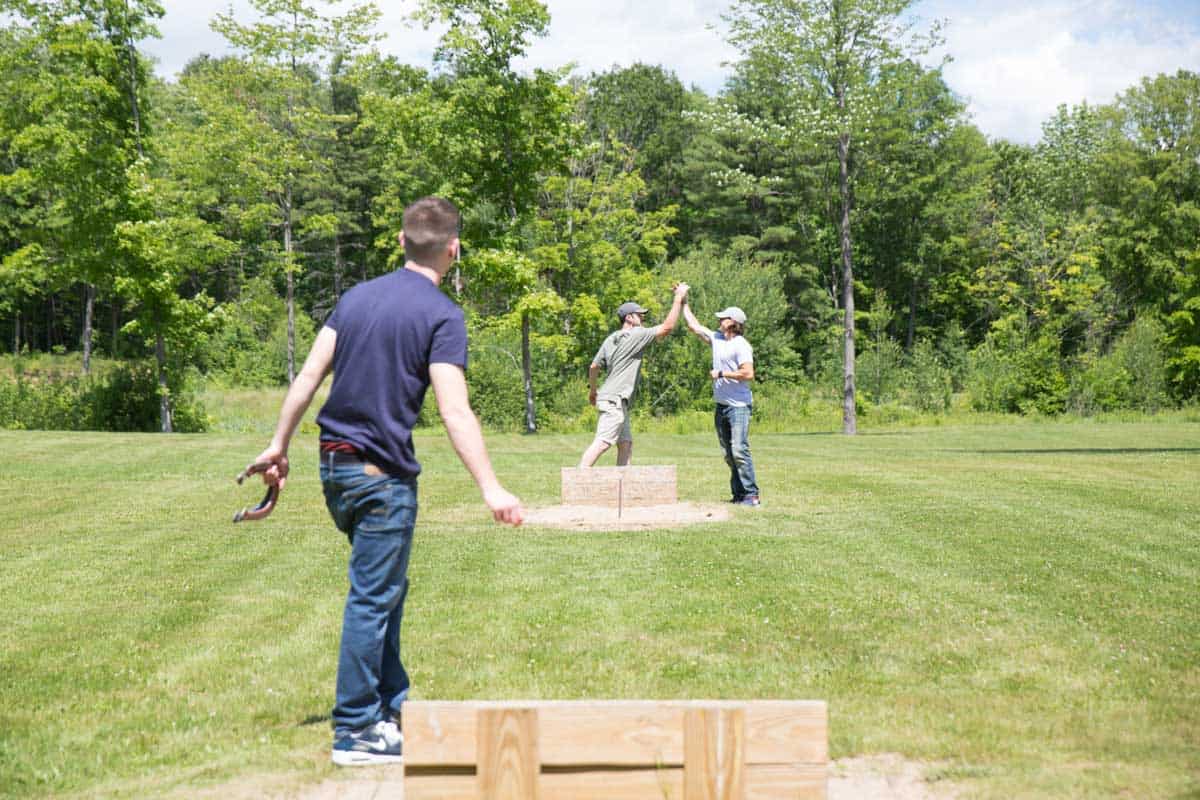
(614,420)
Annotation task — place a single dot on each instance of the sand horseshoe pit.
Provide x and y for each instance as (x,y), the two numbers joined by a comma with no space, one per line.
(623,498)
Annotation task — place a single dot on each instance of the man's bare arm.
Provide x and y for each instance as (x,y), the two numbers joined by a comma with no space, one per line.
(450,388)
(694,325)
(295,403)
(668,324)
(744,372)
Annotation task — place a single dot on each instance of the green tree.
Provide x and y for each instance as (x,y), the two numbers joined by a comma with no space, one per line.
(161,253)
(73,86)
(642,107)
(595,248)
(1149,205)
(905,171)
(292,45)
(831,62)
(489,134)
(752,189)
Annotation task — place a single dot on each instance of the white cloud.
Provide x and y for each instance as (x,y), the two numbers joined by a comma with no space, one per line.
(1014,61)
(1018,62)
(673,33)
(591,34)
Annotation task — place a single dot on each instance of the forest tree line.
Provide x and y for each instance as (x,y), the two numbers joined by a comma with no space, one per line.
(884,249)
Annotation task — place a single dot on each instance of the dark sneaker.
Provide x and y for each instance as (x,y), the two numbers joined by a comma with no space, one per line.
(380,743)
(749,500)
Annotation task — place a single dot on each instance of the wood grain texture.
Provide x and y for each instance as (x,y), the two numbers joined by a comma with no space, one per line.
(507,746)
(694,749)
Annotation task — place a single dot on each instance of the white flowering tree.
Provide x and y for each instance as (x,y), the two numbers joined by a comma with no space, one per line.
(829,61)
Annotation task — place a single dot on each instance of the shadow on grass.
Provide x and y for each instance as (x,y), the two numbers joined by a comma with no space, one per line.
(815,433)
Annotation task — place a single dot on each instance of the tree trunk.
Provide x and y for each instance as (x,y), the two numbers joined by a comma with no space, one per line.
(291,286)
(164,398)
(849,414)
(131,60)
(17,334)
(115,347)
(89,304)
(527,373)
(912,316)
(339,266)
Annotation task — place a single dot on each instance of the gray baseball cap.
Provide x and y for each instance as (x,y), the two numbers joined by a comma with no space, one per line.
(629,308)
(734,313)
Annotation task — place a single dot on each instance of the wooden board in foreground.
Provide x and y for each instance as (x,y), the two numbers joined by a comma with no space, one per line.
(620,750)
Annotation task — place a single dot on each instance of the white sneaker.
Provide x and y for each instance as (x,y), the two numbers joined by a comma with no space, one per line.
(380,743)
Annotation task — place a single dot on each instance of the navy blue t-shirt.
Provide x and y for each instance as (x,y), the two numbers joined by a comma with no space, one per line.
(389,330)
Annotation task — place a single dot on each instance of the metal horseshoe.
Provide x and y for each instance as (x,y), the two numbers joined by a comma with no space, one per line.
(266,505)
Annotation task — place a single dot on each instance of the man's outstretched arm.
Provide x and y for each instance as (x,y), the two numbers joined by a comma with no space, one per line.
(295,403)
(668,324)
(694,325)
(450,388)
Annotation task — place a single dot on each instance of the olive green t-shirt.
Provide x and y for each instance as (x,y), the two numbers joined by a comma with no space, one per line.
(621,355)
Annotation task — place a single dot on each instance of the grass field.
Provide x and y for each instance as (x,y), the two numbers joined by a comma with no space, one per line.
(1015,605)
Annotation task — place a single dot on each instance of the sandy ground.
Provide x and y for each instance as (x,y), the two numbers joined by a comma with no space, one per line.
(886,776)
(604,518)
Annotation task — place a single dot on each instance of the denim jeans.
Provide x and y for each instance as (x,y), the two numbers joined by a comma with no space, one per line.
(377,513)
(733,432)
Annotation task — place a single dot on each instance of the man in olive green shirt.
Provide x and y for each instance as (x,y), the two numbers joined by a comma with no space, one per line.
(621,355)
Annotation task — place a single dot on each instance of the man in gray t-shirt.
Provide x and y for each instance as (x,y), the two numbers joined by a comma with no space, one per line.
(621,356)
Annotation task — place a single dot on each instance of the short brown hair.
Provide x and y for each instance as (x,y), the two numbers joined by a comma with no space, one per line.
(429,224)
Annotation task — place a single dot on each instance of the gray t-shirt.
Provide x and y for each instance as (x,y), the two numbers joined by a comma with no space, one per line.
(621,355)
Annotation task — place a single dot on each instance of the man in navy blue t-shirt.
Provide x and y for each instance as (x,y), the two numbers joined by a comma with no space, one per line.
(386,342)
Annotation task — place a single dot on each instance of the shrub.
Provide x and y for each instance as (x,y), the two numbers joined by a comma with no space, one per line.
(494,379)
(1132,375)
(929,385)
(1015,370)
(121,398)
(249,346)
(878,370)
(1140,350)
(955,354)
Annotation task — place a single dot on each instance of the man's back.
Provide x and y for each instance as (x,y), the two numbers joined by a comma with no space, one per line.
(388,332)
(621,355)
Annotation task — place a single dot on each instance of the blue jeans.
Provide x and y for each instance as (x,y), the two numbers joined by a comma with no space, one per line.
(733,432)
(377,513)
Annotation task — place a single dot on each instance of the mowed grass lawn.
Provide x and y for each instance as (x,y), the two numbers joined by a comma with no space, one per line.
(1016,606)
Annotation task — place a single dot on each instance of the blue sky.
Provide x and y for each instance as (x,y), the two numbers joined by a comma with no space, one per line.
(1014,61)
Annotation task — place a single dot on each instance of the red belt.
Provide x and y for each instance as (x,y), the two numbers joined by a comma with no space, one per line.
(328,446)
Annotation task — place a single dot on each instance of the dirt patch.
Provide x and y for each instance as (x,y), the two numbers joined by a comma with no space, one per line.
(380,783)
(604,518)
(885,776)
